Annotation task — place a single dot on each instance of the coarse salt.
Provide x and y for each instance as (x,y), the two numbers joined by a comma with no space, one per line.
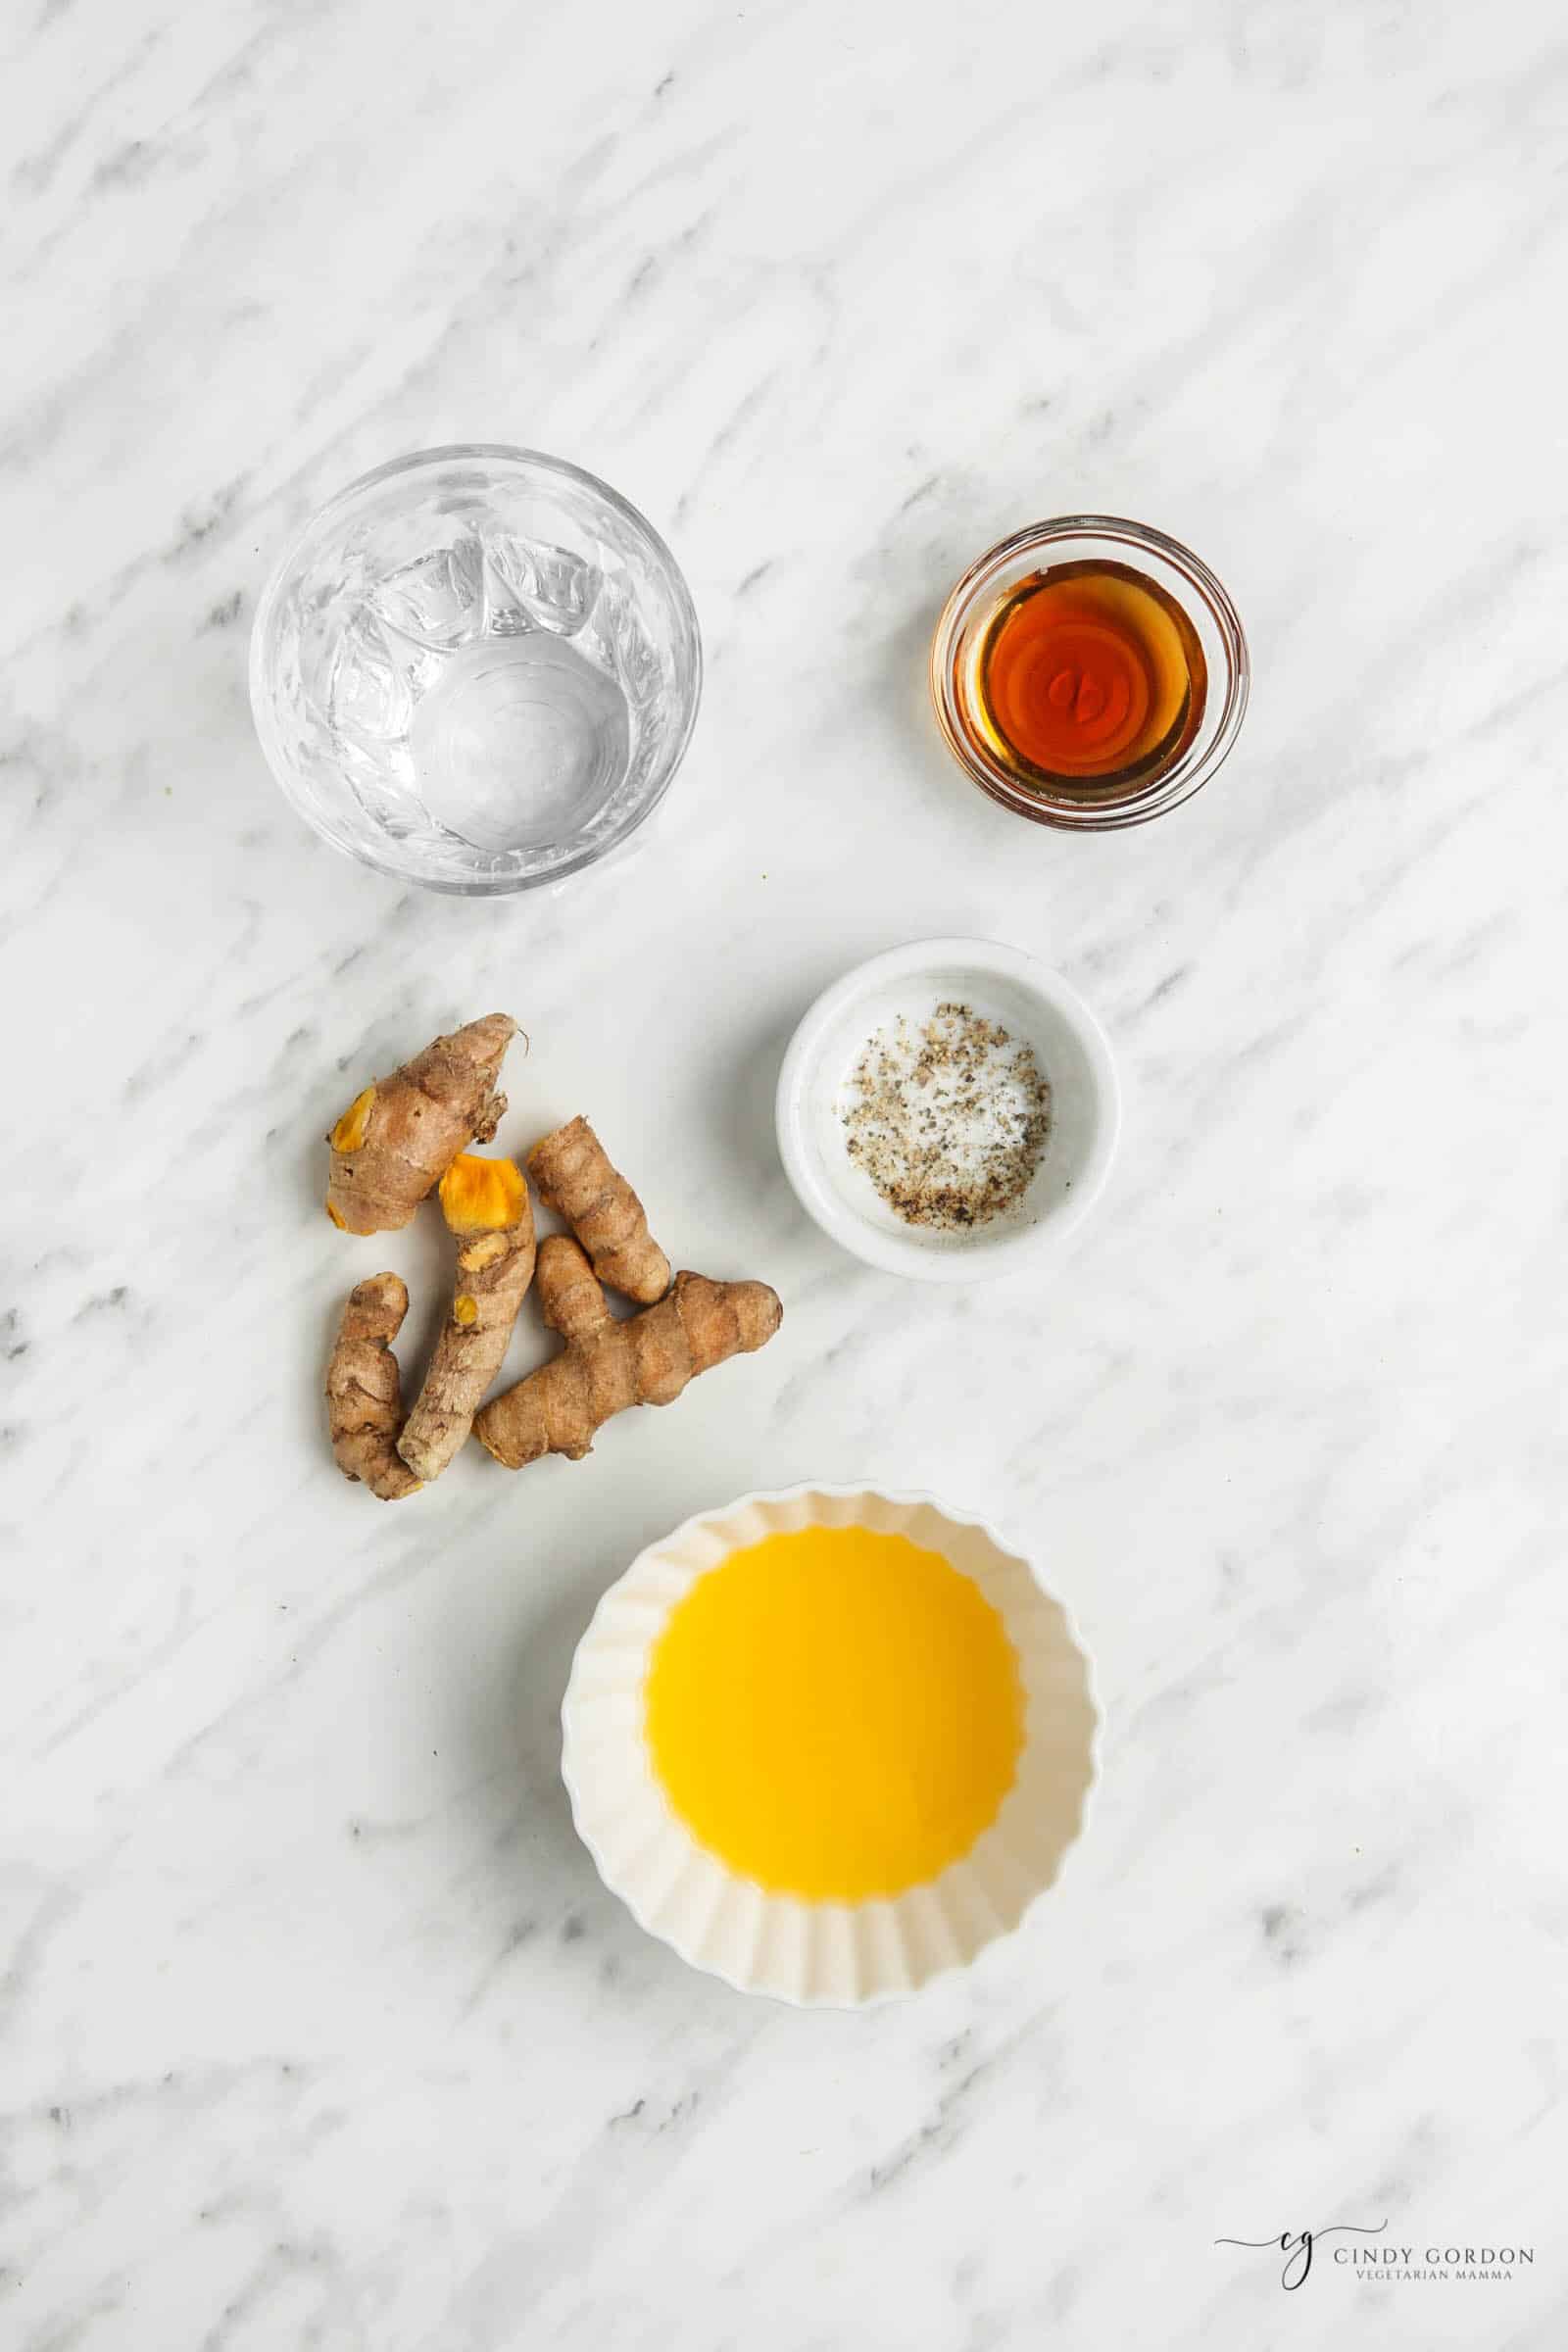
(949,1120)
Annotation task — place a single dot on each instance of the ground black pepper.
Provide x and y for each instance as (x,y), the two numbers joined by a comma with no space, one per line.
(949,1121)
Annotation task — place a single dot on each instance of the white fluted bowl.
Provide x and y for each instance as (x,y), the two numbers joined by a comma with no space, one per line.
(831,1953)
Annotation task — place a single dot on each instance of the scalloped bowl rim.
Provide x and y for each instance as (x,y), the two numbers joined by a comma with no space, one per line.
(684,1940)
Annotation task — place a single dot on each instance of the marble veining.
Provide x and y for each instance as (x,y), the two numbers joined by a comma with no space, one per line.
(316,2026)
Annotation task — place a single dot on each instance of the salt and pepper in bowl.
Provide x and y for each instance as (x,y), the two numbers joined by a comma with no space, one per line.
(949,1111)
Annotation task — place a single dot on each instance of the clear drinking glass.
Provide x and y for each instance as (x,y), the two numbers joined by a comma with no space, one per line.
(477,668)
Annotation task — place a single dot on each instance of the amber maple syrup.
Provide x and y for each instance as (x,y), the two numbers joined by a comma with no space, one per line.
(1089,677)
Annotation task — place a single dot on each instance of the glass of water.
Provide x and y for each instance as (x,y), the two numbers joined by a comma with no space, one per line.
(478,669)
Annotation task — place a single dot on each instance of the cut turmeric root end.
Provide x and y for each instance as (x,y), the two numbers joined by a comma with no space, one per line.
(486,1206)
(400,1135)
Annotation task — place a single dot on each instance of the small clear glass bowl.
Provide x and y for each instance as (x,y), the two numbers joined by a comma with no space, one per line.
(477,668)
(960,641)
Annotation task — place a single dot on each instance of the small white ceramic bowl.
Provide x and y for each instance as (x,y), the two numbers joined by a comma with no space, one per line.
(838,1955)
(1034,1005)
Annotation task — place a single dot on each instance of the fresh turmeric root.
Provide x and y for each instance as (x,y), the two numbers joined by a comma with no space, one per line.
(576,1180)
(607,1366)
(399,1137)
(364,1394)
(486,1205)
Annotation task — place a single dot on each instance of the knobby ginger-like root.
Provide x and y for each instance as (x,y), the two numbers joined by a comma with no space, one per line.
(364,1395)
(607,1365)
(486,1204)
(398,1138)
(576,1180)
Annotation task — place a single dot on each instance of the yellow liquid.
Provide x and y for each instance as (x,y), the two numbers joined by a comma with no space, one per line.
(835,1714)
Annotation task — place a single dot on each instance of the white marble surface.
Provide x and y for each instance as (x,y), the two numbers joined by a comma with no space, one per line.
(316,2027)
